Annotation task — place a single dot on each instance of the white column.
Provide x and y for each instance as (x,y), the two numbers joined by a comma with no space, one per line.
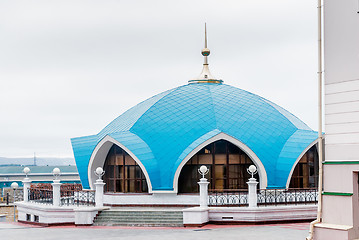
(203,192)
(26,183)
(99,192)
(56,193)
(252,192)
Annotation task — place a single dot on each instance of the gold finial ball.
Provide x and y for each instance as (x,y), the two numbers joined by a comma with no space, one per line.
(205,52)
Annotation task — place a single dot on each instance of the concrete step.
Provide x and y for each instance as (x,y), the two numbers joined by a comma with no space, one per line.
(109,212)
(142,214)
(153,221)
(139,218)
(129,224)
(142,218)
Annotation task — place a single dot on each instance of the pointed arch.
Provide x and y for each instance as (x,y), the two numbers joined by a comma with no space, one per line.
(298,159)
(98,158)
(222,136)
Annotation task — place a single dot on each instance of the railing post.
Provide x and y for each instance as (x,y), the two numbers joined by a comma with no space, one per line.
(99,192)
(203,192)
(252,192)
(26,183)
(99,187)
(239,199)
(56,193)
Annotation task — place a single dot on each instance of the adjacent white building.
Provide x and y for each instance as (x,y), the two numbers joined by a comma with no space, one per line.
(340,216)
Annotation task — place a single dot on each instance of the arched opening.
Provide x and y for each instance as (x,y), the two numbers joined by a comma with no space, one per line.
(305,174)
(227,166)
(122,173)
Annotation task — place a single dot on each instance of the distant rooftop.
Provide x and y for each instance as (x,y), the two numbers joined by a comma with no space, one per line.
(4,170)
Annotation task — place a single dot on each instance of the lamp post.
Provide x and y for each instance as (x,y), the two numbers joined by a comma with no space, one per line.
(14,186)
(203,187)
(252,187)
(56,172)
(26,183)
(99,172)
(56,193)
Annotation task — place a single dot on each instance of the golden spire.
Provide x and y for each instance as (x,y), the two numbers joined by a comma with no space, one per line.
(205,76)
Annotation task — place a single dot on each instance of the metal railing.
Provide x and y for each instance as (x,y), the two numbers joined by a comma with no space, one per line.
(287,196)
(70,195)
(228,197)
(40,195)
(78,198)
(266,197)
(64,186)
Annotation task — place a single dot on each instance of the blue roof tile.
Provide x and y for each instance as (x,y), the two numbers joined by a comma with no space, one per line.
(164,129)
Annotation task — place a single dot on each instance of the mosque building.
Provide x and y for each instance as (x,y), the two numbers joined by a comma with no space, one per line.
(156,147)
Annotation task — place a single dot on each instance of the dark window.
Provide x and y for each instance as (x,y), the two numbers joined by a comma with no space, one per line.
(28,217)
(36,218)
(305,174)
(122,173)
(227,166)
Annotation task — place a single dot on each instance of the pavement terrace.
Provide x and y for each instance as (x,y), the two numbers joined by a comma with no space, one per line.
(293,231)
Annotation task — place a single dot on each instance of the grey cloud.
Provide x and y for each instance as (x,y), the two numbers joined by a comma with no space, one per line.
(68,68)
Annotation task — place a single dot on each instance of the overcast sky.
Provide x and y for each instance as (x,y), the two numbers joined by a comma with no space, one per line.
(68,68)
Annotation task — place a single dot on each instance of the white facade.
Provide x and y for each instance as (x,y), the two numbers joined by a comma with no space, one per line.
(198,216)
(341,57)
(54,215)
(341,167)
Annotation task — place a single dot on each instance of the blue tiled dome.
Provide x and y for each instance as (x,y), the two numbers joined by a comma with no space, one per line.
(164,129)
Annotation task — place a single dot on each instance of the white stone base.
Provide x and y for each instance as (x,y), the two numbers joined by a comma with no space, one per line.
(86,215)
(332,231)
(51,215)
(196,216)
(263,214)
(151,199)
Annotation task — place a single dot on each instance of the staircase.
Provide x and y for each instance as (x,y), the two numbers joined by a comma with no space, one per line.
(160,217)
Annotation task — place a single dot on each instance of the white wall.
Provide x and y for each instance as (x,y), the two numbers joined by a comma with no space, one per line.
(341,35)
(341,69)
(341,58)
(151,199)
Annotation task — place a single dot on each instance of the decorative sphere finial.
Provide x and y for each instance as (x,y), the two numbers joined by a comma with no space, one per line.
(56,172)
(203,170)
(205,52)
(99,172)
(26,171)
(252,170)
